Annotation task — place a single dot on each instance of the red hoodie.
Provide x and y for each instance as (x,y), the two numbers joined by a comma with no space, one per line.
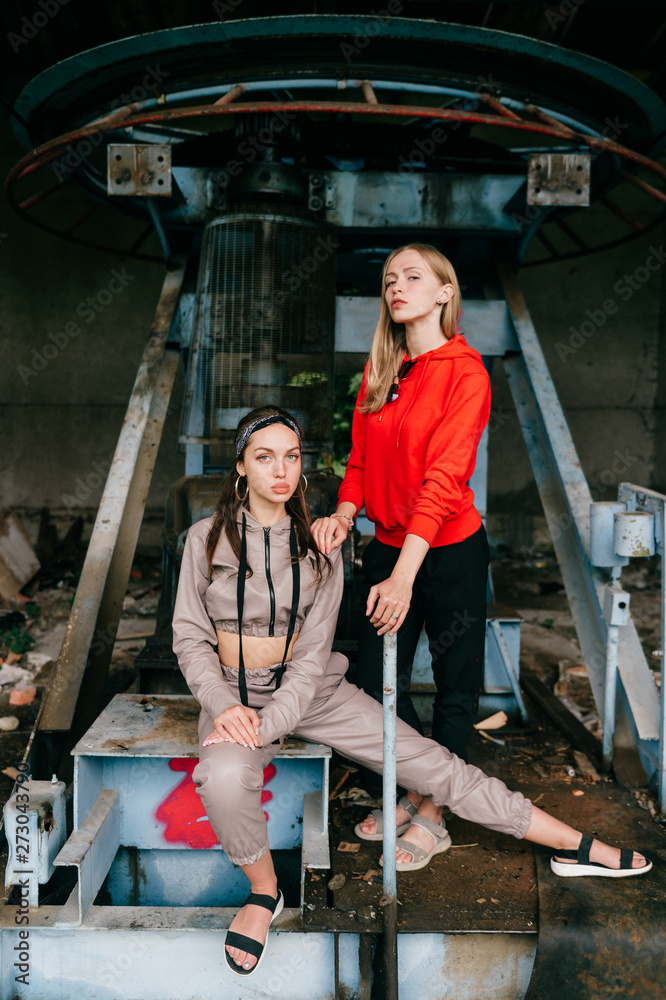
(410,462)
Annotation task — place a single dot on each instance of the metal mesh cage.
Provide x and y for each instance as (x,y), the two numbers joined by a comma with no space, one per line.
(263,325)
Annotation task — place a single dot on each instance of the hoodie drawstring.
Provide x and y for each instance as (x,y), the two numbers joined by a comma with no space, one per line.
(240,600)
(413,399)
(295,597)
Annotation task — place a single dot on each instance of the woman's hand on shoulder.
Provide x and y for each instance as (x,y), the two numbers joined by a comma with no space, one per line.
(238,724)
(329,532)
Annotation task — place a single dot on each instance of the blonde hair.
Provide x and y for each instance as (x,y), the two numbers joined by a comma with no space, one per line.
(388,344)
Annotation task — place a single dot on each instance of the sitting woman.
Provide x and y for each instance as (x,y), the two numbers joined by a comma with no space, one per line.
(253,626)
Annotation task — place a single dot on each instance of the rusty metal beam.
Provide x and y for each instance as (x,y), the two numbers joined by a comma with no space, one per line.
(88,642)
(566,499)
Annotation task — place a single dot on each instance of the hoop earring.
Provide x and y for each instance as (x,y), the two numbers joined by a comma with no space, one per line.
(304,489)
(241,498)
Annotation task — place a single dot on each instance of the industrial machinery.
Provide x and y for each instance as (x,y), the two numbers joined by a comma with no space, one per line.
(277,177)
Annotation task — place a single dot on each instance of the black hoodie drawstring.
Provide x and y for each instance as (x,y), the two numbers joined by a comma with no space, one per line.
(295,596)
(240,598)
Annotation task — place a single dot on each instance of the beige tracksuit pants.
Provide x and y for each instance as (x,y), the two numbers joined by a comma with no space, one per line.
(230,777)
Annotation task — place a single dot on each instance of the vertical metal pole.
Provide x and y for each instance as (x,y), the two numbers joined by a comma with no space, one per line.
(661,790)
(390,900)
(610,689)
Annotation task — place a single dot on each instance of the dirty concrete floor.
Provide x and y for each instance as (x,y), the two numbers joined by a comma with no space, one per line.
(46,610)
(495,868)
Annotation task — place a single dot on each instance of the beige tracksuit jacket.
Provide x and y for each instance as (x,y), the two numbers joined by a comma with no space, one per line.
(314,700)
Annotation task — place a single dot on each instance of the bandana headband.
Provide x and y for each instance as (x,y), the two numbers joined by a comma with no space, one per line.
(244,436)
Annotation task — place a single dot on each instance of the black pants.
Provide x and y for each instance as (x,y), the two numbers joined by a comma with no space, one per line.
(449,599)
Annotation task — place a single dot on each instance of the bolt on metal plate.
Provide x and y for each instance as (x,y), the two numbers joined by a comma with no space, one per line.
(139,170)
(558,179)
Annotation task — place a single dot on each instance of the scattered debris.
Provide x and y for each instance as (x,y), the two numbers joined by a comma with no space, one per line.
(538,798)
(585,766)
(337,881)
(493,900)
(339,785)
(458,846)
(38,660)
(359,797)
(8,723)
(493,739)
(482,900)
(14,675)
(645,801)
(18,561)
(348,848)
(577,792)
(22,694)
(496,721)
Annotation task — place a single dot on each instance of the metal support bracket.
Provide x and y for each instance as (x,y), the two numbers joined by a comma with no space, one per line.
(92,626)
(91,849)
(566,499)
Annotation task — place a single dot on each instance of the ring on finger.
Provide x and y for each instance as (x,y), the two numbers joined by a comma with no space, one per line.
(395,616)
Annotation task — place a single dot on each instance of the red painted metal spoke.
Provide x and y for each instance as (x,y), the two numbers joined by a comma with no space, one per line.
(500,108)
(637,182)
(40,196)
(611,245)
(563,130)
(621,214)
(138,115)
(55,147)
(231,95)
(89,212)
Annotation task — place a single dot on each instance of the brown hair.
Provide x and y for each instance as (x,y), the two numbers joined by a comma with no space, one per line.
(228,505)
(388,345)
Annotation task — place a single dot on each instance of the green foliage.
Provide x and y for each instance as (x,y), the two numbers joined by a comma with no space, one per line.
(307,378)
(346,391)
(16,640)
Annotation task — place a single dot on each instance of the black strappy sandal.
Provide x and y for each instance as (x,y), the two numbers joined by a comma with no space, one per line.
(586,867)
(243,943)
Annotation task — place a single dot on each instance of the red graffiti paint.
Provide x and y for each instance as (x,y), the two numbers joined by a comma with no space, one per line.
(182,811)
(269,774)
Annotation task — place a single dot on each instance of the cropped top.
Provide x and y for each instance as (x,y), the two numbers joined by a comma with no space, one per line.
(204,602)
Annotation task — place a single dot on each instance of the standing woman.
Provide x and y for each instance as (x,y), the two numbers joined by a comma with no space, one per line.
(421,409)
(253,626)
